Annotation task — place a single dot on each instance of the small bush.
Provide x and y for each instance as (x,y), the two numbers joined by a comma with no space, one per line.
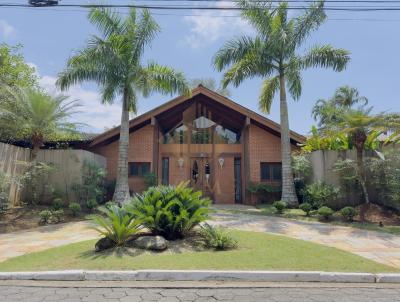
(91,204)
(217,238)
(279,206)
(75,208)
(150,179)
(57,216)
(109,204)
(325,212)
(319,194)
(117,225)
(45,216)
(348,213)
(306,208)
(170,211)
(57,204)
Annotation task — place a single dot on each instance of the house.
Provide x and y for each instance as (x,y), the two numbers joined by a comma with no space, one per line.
(207,139)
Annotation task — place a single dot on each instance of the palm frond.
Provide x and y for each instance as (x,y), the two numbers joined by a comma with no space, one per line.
(327,57)
(106,20)
(268,91)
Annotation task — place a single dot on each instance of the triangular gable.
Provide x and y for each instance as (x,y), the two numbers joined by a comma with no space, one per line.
(142,119)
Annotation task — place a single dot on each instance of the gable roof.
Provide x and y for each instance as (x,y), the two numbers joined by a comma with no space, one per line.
(141,119)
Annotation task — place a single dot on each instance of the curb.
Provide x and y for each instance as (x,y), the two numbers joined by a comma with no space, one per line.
(200,275)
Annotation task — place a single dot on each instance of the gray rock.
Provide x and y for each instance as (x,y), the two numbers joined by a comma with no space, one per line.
(156,243)
(104,244)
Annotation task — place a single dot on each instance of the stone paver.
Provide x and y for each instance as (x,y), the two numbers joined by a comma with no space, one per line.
(45,237)
(377,246)
(293,294)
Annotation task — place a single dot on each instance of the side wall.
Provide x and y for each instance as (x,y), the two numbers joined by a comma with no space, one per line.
(141,144)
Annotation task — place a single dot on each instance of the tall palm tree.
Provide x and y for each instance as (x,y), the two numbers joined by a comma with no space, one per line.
(36,116)
(273,55)
(114,61)
(330,112)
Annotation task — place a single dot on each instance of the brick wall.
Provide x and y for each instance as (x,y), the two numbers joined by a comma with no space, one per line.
(140,150)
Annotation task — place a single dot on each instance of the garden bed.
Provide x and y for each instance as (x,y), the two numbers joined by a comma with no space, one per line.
(27,217)
(256,251)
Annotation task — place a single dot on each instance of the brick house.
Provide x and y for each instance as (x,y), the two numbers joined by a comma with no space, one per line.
(215,143)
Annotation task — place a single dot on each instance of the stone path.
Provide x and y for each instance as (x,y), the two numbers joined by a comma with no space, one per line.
(128,294)
(377,246)
(380,247)
(45,237)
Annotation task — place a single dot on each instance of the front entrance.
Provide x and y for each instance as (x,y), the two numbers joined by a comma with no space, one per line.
(201,175)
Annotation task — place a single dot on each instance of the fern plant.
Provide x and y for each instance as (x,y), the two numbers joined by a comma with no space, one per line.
(116,224)
(170,211)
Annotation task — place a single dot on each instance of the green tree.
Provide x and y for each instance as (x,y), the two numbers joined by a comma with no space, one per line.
(209,83)
(329,112)
(14,71)
(37,117)
(359,125)
(114,62)
(273,54)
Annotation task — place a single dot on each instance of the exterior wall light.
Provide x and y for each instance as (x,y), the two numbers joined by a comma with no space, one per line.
(180,162)
(221,162)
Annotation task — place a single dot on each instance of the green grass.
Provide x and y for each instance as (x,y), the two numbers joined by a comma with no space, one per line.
(257,251)
(298,214)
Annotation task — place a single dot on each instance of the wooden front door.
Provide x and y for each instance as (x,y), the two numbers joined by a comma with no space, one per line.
(201,175)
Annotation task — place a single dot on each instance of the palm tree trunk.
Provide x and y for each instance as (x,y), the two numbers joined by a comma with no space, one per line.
(34,152)
(288,191)
(362,178)
(121,193)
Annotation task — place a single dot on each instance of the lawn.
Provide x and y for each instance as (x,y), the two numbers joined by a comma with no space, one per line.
(257,251)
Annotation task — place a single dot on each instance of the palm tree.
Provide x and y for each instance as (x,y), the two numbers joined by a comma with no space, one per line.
(330,112)
(273,55)
(114,62)
(359,125)
(36,116)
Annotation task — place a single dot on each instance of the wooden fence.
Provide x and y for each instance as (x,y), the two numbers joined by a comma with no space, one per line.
(68,164)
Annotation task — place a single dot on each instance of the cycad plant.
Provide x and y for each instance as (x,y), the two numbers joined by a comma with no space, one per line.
(273,54)
(116,224)
(170,211)
(114,61)
(37,117)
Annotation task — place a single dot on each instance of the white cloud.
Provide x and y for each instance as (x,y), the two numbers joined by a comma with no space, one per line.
(92,113)
(6,29)
(208,27)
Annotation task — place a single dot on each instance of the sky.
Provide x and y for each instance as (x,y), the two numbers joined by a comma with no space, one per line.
(189,40)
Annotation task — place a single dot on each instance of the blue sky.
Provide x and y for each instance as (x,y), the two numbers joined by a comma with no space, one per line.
(188,43)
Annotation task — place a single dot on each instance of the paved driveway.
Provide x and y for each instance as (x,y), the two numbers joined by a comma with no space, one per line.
(377,246)
(381,247)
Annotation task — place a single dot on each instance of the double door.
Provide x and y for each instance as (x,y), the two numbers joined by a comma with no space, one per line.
(201,175)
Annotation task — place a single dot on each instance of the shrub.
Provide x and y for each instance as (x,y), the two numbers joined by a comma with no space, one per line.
(75,208)
(170,211)
(57,216)
(109,204)
(306,208)
(116,224)
(217,238)
(325,212)
(57,204)
(91,204)
(45,216)
(150,179)
(4,191)
(320,193)
(348,213)
(279,206)
(93,184)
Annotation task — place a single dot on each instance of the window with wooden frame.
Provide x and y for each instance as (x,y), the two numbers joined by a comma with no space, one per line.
(271,171)
(139,168)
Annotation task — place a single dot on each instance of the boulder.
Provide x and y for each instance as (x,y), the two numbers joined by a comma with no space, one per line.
(155,243)
(104,244)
